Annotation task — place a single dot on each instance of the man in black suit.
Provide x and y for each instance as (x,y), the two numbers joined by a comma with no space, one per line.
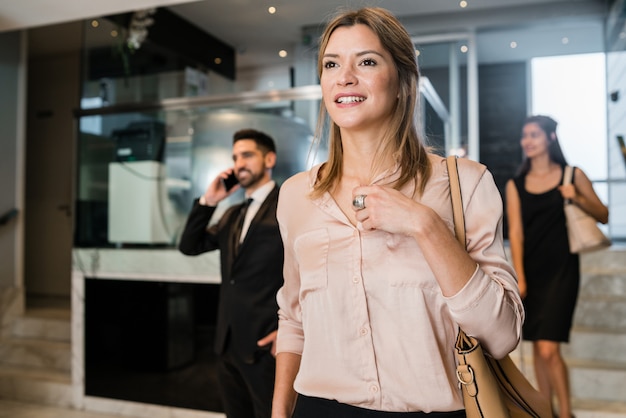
(251,257)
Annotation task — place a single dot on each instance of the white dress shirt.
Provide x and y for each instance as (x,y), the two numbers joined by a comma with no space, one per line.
(258,197)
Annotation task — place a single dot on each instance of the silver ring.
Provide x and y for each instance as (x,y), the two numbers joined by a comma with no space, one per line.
(359,201)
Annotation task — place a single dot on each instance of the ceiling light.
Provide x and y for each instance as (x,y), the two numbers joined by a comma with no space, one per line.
(417,53)
(95,23)
(114,33)
(565,40)
(464,49)
(513,45)
(217,60)
(271,10)
(463,4)
(282,53)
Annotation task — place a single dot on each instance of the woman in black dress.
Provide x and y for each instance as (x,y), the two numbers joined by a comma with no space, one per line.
(548,274)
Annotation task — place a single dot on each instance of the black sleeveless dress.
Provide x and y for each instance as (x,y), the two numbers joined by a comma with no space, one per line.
(552,272)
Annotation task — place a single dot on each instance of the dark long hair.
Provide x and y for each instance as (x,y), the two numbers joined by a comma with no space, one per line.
(548,125)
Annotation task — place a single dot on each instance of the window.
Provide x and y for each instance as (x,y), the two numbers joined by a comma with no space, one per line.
(572,90)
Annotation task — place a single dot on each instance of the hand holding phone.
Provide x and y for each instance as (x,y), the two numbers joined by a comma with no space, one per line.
(230,181)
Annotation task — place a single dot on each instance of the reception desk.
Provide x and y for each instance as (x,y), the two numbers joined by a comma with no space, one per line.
(142,332)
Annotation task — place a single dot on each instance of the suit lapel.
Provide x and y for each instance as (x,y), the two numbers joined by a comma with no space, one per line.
(262,213)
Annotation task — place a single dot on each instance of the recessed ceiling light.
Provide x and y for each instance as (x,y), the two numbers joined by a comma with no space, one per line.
(463,4)
(217,60)
(282,53)
(95,23)
(271,10)
(114,33)
(417,53)
(464,48)
(513,45)
(565,40)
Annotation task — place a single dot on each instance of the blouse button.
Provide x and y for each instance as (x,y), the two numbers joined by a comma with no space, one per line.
(356,279)
(363,331)
(374,388)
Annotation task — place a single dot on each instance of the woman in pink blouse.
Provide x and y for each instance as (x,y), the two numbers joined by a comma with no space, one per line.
(376,284)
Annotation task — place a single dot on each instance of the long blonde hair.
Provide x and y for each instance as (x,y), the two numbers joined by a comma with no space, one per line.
(401,141)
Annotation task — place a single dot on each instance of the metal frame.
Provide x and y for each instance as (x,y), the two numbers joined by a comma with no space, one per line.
(453,131)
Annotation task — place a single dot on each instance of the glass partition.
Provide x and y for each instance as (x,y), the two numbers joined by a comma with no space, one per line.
(140,166)
(448,62)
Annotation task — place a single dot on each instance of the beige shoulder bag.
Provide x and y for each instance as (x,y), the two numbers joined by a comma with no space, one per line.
(583,233)
(491,388)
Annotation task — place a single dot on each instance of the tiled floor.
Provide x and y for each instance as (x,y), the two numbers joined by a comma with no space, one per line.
(12,409)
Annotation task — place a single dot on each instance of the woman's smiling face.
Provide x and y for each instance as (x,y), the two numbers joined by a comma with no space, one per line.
(359,79)
(534,140)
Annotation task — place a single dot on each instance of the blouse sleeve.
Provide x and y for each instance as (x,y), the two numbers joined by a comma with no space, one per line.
(290,334)
(489,307)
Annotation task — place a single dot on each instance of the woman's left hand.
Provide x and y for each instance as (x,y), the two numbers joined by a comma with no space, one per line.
(583,194)
(568,191)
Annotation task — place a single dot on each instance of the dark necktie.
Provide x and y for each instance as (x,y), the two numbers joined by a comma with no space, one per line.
(238,224)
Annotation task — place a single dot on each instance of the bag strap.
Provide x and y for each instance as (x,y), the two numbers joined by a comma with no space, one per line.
(457,200)
(457,214)
(568,175)
(568,178)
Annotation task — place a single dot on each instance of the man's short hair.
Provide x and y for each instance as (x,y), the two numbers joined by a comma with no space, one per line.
(263,141)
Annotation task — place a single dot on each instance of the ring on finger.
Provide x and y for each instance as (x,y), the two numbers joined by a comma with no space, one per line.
(359,201)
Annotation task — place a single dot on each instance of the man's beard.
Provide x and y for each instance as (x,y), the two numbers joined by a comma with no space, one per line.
(251,179)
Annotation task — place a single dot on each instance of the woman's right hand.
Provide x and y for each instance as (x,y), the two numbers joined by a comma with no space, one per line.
(284,401)
(389,210)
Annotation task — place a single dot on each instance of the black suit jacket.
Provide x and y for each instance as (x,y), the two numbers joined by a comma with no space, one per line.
(247,308)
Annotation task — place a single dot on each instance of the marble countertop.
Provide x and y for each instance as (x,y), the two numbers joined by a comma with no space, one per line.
(146,264)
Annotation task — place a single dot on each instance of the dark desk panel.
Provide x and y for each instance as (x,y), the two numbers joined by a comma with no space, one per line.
(151,342)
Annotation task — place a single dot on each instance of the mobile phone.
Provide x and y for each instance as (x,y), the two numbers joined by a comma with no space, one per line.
(230,181)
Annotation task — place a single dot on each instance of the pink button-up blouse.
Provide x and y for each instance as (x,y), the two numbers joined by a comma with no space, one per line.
(364,310)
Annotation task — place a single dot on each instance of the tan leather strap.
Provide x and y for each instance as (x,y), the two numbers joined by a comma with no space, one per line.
(457,212)
(568,178)
(457,201)
(568,175)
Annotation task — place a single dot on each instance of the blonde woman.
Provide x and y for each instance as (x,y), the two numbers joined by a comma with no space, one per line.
(376,284)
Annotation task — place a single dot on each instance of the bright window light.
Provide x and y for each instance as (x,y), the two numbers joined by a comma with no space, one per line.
(572,90)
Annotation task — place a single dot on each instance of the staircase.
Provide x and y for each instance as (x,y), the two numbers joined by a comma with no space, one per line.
(35,356)
(596,354)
